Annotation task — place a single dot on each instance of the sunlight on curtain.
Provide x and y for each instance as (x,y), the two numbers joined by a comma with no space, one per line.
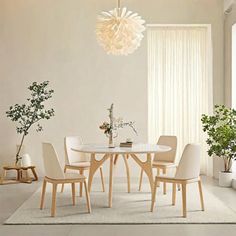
(180,85)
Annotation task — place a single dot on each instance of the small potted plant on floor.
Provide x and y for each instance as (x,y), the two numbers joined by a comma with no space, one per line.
(221,131)
(29,114)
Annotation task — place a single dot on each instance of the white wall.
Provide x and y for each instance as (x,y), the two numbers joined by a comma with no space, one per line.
(54,40)
(230,20)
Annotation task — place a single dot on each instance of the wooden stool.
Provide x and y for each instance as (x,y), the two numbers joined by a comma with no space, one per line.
(22,174)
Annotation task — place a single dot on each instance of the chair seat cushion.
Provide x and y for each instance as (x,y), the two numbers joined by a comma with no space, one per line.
(84,164)
(74,176)
(171,178)
(163,164)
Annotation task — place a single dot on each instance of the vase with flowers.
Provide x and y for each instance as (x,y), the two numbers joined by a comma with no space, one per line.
(111,128)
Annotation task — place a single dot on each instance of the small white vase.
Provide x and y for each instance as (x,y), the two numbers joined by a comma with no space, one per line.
(225,179)
(26,160)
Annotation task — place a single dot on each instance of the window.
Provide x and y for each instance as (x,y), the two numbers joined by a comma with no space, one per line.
(180,84)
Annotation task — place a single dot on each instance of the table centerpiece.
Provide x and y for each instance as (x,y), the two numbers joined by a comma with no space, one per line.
(111,128)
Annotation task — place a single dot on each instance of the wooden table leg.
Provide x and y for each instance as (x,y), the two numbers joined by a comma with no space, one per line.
(18,178)
(93,168)
(111,180)
(34,174)
(24,176)
(125,157)
(102,179)
(4,175)
(147,167)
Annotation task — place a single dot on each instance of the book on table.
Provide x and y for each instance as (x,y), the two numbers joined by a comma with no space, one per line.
(126,144)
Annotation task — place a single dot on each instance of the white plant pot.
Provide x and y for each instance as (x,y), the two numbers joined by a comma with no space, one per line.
(234,184)
(225,179)
(26,160)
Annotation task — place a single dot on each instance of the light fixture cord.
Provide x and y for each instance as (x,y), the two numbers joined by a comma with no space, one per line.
(119,9)
(118,3)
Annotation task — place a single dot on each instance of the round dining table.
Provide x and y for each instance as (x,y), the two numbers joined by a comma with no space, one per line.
(112,154)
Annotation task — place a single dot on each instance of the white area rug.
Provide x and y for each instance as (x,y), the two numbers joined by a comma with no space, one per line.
(133,208)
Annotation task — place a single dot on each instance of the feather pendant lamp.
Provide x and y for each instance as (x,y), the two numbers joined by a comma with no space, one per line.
(120,31)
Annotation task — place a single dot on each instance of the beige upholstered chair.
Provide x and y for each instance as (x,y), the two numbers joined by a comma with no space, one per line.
(77,161)
(54,174)
(187,172)
(165,160)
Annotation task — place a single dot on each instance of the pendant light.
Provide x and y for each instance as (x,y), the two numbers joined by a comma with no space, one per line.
(119,31)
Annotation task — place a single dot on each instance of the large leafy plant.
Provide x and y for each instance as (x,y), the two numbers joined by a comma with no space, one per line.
(29,114)
(221,131)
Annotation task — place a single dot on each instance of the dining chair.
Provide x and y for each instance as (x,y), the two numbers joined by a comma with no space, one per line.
(165,160)
(77,161)
(54,174)
(187,172)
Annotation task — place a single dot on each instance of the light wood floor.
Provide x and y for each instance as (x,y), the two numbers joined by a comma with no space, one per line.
(12,196)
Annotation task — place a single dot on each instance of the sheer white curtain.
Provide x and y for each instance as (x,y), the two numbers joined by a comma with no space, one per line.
(180,85)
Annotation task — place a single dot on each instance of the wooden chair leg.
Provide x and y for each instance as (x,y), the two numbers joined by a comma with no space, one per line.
(54,195)
(178,185)
(158,173)
(201,194)
(73,193)
(184,200)
(116,159)
(62,186)
(102,179)
(140,180)
(87,197)
(154,194)
(81,172)
(43,194)
(164,183)
(173,193)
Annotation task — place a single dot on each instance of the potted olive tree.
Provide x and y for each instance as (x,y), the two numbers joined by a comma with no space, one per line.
(221,131)
(29,114)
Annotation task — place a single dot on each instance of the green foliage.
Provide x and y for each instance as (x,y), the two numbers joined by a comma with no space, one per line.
(26,115)
(221,131)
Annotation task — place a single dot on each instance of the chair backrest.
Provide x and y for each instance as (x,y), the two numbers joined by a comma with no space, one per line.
(70,155)
(170,156)
(189,165)
(52,166)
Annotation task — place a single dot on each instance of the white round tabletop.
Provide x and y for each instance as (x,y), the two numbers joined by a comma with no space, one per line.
(135,149)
